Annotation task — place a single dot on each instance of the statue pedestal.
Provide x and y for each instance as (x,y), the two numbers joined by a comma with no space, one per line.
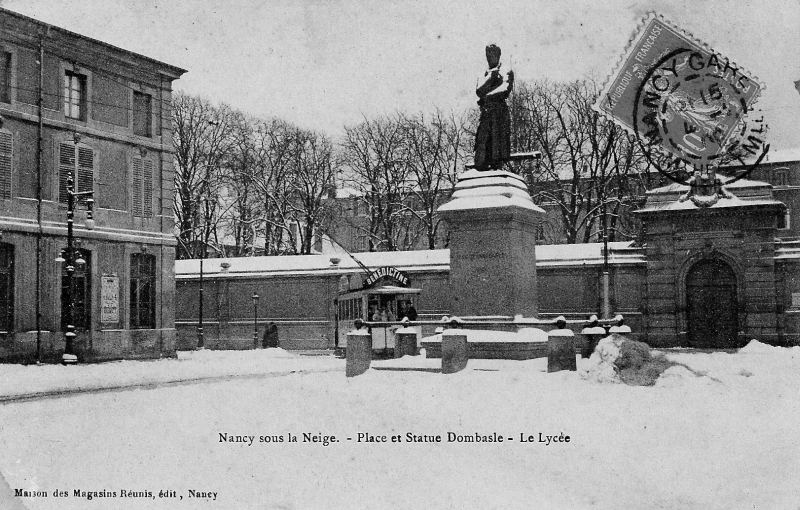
(492,221)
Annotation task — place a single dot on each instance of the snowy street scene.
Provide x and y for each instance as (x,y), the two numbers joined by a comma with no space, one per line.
(344,255)
(712,433)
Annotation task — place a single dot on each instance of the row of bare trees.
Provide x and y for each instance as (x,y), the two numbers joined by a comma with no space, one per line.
(400,168)
(590,171)
(244,185)
(248,186)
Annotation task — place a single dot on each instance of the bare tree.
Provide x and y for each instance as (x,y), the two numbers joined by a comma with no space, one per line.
(312,181)
(372,154)
(434,152)
(590,168)
(201,138)
(239,223)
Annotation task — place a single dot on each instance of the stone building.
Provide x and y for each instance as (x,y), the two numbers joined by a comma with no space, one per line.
(74,105)
(711,277)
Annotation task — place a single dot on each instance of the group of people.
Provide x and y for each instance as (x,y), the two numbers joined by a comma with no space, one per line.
(386,314)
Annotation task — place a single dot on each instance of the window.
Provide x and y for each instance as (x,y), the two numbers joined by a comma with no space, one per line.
(142,114)
(785,221)
(5,77)
(780,177)
(6,159)
(81,293)
(142,199)
(74,95)
(143,302)
(82,166)
(6,287)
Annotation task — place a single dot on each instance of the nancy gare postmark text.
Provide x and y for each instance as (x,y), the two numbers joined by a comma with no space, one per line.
(677,95)
(537,438)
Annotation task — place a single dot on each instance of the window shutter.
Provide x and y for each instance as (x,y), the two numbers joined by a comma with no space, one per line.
(147,205)
(85,170)
(66,164)
(6,158)
(137,187)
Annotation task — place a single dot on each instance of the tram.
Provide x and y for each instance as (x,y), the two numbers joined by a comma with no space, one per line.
(384,298)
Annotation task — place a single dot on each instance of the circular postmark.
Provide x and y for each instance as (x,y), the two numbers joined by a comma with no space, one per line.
(693,107)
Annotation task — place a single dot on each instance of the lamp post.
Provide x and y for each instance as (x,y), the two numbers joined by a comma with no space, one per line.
(255,320)
(200,341)
(72,257)
(606,312)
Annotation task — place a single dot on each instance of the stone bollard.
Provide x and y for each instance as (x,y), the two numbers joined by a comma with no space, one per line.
(620,328)
(592,333)
(359,352)
(405,342)
(561,348)
(454,351)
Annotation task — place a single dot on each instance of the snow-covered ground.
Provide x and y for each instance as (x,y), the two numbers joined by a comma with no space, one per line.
(31,380)
(720,434)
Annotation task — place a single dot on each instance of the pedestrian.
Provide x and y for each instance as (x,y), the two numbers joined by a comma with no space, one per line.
(411,312)
(270,335)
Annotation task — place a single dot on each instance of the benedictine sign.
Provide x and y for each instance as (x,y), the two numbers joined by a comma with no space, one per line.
(386,272)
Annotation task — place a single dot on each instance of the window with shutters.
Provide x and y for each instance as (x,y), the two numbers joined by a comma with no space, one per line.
(143,301)
(5,77)
(77,161)
(6,160)
(142,114)
(142,199)
(81,293)
(74,95)
(6,287)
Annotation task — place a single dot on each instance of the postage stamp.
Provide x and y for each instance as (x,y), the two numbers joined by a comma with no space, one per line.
(677,94)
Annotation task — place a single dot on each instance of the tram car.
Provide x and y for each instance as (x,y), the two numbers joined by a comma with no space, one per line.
(383,300)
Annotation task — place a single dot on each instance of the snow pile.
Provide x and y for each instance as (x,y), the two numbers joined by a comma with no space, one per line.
(756,347)
(618,359)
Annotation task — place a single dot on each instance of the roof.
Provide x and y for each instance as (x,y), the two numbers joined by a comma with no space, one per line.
(297,265)
(410,261)
(173,69)
(782,155)
(746,193)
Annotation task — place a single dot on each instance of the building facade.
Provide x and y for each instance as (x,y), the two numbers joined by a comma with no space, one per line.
(711,277)
(71,105)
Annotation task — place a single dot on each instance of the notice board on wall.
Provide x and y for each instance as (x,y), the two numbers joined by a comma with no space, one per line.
(109,298)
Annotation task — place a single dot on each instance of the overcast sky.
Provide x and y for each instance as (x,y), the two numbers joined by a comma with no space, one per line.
(323,64)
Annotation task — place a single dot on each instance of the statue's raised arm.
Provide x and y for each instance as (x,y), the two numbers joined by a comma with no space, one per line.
(493,139)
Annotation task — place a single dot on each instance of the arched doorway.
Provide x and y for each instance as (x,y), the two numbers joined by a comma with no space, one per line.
(711,305)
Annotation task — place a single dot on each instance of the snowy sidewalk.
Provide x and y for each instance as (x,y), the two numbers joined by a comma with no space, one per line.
(27,382)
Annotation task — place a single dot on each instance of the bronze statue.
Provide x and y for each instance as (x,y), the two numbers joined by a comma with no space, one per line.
(493,139)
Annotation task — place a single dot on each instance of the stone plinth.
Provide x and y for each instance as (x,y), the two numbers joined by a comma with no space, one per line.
(493,224)
(592,335)
(561,350)
(359,352)
(405,343)
(454,351)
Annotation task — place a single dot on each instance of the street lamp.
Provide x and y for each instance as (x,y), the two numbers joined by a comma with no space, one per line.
(200,341)
(606,273)
(255,320)
(72,257)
